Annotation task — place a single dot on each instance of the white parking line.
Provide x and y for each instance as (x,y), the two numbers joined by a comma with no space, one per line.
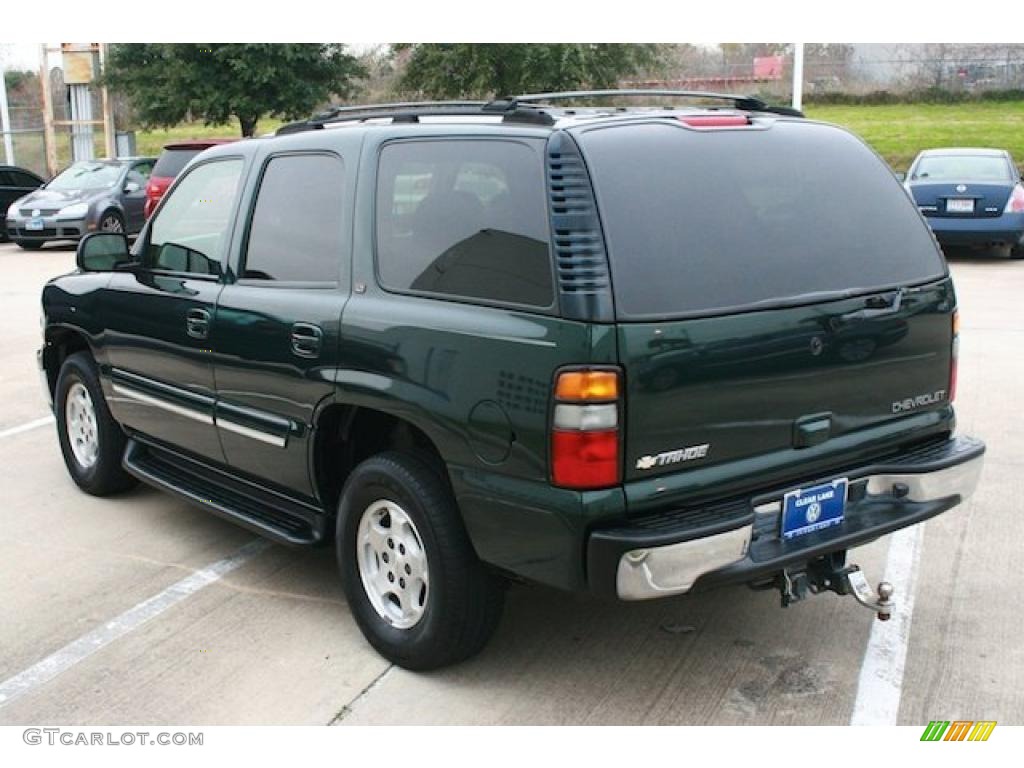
(881,674)
(12,431)
(85,646)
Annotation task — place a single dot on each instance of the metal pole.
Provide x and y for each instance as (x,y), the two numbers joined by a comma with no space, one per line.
(48,135)
(798,75)
(5,117)
(109,137)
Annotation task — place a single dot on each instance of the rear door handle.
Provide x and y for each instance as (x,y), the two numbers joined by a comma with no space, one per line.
(306,340)
(197,323)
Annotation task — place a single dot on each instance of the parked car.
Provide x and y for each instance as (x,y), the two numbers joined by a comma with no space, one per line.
(433,344)
(15,183)
(88,196)
(170,163)
(970,197)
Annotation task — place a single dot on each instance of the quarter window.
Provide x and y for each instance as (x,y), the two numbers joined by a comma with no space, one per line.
(464,219)
(191,231)
(297,223)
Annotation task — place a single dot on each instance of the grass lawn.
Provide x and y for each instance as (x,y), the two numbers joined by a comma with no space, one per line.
(151,142)
(899,131)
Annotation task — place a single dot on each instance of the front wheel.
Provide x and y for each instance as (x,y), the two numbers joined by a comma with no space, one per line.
(91,441)
(1017,252)
(111,221)
(416,588)
(29,245)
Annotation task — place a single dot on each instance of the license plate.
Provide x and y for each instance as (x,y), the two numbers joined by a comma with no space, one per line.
(806,510)
(960,206)
(34,225)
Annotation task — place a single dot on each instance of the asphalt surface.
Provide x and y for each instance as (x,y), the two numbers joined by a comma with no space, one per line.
(107,615)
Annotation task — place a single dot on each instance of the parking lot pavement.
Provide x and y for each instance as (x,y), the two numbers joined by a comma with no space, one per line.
(139,610)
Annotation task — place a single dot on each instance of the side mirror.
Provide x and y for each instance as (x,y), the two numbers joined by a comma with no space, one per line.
(901,177)
(131,187)
(102,252)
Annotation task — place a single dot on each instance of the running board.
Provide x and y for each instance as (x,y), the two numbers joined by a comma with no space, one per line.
(265,512)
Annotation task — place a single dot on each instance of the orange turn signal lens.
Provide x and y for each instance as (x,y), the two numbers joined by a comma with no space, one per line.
(587,385)
(956,322)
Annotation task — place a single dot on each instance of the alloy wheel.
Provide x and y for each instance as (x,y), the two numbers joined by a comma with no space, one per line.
(392,564)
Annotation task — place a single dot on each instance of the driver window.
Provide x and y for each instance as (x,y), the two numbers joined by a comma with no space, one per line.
(190,232)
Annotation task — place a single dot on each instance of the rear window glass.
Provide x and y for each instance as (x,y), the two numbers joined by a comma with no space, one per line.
(961,168)
(705,221)
(172,161)
(464,219)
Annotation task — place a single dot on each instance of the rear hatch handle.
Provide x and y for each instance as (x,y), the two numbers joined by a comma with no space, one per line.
(877,306)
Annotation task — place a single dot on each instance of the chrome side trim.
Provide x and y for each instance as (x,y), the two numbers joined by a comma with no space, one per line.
(180,410)
(670,570)
(255,434)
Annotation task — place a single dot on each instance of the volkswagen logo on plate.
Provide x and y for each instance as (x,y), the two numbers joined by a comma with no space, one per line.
(961,187)
(813,512)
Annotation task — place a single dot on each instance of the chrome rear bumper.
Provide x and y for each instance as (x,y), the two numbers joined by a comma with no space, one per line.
(895,498)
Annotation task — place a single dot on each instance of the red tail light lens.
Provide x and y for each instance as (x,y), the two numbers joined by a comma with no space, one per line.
(585,430)
(585,459)
(1016,202)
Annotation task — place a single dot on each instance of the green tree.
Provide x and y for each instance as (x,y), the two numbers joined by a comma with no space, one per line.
(503,69)
(168,82)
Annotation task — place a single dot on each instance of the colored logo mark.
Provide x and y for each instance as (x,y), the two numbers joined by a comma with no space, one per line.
(958,730)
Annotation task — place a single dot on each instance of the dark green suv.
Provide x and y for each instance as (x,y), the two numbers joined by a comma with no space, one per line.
(635,351)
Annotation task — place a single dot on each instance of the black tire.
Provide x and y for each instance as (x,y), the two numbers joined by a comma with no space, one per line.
(111,221)
(105,476)
(464,601)
(29,245)
(1017,252)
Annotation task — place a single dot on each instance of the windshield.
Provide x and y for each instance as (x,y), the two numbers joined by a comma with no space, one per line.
(962,167)
(86,175)
(700,222)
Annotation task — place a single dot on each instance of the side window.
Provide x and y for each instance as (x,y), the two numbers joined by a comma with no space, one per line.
(140,173)
(297,226)
(190,232)
(19,179)
(464,219)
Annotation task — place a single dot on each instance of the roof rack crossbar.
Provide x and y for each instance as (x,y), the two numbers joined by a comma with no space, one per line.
(739,100)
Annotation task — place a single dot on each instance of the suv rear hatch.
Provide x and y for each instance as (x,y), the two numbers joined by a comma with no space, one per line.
(774,289)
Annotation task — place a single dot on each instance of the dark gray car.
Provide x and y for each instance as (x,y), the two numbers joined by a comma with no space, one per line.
(88,196)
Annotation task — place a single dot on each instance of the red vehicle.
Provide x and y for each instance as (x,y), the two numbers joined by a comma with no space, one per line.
(172,160)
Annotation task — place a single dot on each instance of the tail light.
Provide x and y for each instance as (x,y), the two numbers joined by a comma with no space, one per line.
(1016,202)
(585,442)
(953,357)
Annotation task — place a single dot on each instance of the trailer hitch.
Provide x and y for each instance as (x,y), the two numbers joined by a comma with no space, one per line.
(829,574)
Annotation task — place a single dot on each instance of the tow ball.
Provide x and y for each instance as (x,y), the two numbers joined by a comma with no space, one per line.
(828,575)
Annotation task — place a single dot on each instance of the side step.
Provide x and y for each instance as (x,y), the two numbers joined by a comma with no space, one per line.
(265,512)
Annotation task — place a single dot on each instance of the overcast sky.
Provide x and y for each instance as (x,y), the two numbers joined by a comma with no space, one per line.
(19,55)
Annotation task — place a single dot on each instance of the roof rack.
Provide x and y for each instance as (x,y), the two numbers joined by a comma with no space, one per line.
(412,111)
(739,101)
(526,108)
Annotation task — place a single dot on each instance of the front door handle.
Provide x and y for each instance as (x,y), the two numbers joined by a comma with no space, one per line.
(306,340)
(197,323)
